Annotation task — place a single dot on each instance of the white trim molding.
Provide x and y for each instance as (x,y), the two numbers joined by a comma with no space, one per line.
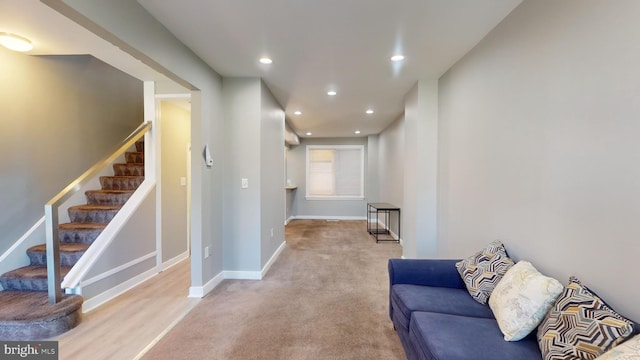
(273,259)
(321,217)
(201,291)
(102,298)
(176,260)
(116,270)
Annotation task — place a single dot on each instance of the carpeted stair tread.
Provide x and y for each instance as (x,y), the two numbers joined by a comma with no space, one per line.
(27,315)
(82,226)
(120,182)
(140,146)
(134,157)
(70,253)
(126,169)
(29,278)
(79,232)
(108,197)
(93,213)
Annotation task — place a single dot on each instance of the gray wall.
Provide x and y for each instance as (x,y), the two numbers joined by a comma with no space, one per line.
(175,127)
(419,203)
(272,181)
(132,28)
(296,168)
(242,222)
(60,114)
(539,144)
(255,143)
(391,166)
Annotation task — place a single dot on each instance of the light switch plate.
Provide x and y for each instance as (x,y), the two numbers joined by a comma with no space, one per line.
(245,183)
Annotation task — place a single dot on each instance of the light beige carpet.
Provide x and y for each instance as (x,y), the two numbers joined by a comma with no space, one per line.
(326,297)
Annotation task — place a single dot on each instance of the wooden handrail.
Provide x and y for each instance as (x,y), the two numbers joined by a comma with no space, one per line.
(51,210)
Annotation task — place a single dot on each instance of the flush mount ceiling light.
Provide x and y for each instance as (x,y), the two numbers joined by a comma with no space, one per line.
(308,133)
(265,60)
(369,111)
(357,131)
(397,57)
(331,93)
(15,42)
(298,112)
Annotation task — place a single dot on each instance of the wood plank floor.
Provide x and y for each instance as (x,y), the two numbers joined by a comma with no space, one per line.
(130,324)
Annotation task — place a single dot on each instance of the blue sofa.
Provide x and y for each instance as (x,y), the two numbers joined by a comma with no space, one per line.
(437,319)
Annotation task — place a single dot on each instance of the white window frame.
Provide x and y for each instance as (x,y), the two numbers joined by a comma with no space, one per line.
(335,197)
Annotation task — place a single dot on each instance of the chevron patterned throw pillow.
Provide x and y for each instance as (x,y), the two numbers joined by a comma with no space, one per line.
(482,271)
(581,326)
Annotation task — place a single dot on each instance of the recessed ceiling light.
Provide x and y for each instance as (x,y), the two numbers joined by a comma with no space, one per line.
(265,60)
(369,111)
(308,133)
(15,42)
(357,131)
(298,112)
(397,57)
(331,93)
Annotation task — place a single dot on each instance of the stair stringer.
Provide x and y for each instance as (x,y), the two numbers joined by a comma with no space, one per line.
(96,265)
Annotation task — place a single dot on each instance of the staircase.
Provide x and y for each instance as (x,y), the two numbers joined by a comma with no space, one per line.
(25,312)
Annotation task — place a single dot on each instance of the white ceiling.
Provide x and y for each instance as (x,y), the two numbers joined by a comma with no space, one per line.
(316,45)
(54,34)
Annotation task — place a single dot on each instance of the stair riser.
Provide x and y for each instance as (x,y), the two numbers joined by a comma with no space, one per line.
(107,199)
(19,284)
(92,216)
(78,236)
(134,157)
(128,170)
(66,259)
(115,183)
(140,146)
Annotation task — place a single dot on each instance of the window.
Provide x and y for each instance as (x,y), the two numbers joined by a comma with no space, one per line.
(335,172)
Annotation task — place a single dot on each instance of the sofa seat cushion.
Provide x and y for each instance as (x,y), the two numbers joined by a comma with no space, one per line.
(407,298)
(452,337)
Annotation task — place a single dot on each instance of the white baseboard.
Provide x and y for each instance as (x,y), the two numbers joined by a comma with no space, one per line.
(176,260)
(319,217)
(201,291)
(267,266)
(286,222)
(243,275)
(102,298)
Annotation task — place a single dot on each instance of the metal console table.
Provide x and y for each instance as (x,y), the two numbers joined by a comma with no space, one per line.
(374,210)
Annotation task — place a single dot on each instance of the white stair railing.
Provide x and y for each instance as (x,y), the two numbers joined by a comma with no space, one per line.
(51,210)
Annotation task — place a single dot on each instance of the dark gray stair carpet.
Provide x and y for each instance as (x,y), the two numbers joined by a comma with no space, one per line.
(84,233)
(27,315)
(70,253)
(120,182)
(108,197)
(100,214)
(134,157)
(128,169)
(28,278)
